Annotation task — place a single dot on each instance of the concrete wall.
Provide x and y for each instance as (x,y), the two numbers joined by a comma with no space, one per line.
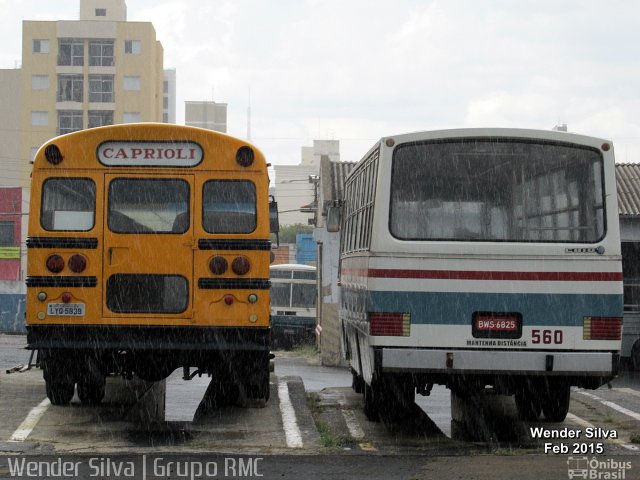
(331,350)
(12,307)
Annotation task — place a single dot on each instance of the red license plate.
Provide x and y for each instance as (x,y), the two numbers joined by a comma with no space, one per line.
(497,325)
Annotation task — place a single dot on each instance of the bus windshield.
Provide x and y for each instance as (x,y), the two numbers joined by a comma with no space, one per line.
(497,190)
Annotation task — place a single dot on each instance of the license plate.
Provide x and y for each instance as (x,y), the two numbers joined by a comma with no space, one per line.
(497,325)
(66,309)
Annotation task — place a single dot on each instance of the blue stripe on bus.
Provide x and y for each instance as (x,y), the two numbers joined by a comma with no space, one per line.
(457,308)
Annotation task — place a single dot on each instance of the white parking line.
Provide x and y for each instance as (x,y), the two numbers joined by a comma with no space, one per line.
(615,406)
(289,422)
(29,423)
(629,391)
(584,423)
(355,430)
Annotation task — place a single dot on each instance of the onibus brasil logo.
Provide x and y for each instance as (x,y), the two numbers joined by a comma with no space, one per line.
(610,469)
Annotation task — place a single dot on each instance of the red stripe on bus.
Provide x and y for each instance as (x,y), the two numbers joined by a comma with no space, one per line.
(493,275)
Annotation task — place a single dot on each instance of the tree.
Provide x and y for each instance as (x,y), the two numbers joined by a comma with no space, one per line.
(288,232)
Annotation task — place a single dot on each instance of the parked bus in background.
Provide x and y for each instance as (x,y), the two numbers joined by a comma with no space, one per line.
(293,304)
(149,251)
(481,257)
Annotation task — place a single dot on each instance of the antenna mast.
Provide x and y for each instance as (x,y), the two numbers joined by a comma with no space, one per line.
(249,117)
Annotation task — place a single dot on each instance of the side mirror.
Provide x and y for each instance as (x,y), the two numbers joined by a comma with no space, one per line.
(334,214)
(274,222)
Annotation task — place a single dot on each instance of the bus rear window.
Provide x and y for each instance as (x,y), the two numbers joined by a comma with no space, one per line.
(280,294)
(148,205)
(229,206)
(497,190)
(68,204)
(303,295)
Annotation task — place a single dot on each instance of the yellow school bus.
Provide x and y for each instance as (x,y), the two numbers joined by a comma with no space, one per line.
(148,250)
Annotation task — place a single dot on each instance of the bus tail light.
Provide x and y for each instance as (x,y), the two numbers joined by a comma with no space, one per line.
(389,324)
(218,265)
(55,263)
(602,328)
(77,263)
(241,265)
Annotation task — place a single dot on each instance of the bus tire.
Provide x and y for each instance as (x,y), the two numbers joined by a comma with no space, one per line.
(634,360)
(91,384)
(91,393)
(255,380)
(528,405)
(371,407)
(59,393)
(555,404)
(357,383)
(58,372)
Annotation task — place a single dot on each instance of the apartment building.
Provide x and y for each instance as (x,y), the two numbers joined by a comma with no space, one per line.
(209,115)
(98,70)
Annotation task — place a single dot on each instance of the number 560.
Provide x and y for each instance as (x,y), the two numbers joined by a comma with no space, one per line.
(547,337)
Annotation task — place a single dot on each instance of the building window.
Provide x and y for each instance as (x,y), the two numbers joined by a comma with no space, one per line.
(39,119)
(70,88)
(101,53)
(7,238)
(165,87)
(39,82)
(70,52)
(69,121)
(34,151)
(101,12)
(165,118)
(132,83)
(101,88)
(40,45)
(130,117)
(132,46)
(100,118)
(165,103)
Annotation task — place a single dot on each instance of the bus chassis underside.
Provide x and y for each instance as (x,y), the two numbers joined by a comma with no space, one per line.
(237,359)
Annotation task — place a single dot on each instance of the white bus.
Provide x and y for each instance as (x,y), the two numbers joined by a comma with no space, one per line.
(481,257)
(293,304)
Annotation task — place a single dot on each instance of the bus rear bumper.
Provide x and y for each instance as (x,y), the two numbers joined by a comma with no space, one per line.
(603,365)
(147,338)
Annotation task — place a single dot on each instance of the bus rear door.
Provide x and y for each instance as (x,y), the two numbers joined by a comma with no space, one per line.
(148,248)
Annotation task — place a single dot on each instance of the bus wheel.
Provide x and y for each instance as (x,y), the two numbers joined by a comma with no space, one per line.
(555,403)
(91,384)
(256,385)
(91,393)
(634,361)
(357,383)
(59,393)
(58,372)
(371,402)
(528,405)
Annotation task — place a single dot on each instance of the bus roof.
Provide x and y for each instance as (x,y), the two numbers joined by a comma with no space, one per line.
(292,266)
(146,145)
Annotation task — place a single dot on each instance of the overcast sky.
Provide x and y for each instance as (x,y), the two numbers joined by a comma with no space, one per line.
(356,70)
